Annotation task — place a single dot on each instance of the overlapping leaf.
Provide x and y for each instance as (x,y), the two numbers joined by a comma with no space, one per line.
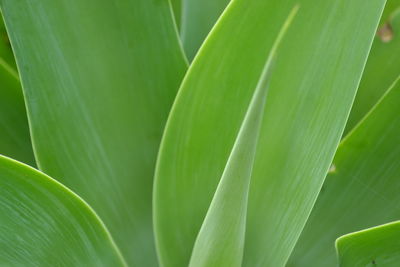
(14,132)
(310,95)
(382,69)
(363,188)
(377,246)
(42,223)
(196,18)
(99,79)
(220,241)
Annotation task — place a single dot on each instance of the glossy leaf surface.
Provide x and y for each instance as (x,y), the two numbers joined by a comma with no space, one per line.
(99,79)
(196,20)
(14,131)
(310,96)
(362,189)
(382,69)
(42,223)
(377,246)
(220,241)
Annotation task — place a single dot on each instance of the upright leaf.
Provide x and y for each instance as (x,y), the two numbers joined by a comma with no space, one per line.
(99,79)
(177,10)
(377,246)
(390,7)
(310,96)
(5,47)
(196,20)
(42,223)
(221,238)
(362,190)
(382,69)
(14,132)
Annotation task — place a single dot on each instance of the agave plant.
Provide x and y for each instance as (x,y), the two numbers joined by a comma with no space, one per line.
(200,133)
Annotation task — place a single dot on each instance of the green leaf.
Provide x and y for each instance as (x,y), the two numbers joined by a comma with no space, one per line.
(377,246)
(99,79)
(177,10)
(221,238)
(14,132)
(45,224)
(381,71)
(5,47)
(197,19)
(390,7)
(309,99)
(362,188)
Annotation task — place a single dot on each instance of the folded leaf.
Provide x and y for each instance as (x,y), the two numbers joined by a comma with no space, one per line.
(220,241)
(320,63)
(382,69)
(377,246)
(99,79)
(362,190)
(43,223)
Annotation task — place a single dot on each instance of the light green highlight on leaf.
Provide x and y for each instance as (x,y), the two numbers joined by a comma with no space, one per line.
(42,223)
(363,191)
(382,69)
(377,246)
(220,241)
(99,78)
(310,95)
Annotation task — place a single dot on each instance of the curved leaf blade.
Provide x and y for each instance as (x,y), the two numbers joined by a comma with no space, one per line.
(197,19)
(99,79)
(220,241)
(363,189)
(5,47)
(381,71)
(43,223)
(377,246)
(309,101)
(14,131)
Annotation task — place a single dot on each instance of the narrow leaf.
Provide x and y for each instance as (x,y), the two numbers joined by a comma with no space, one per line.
(362,189)
(377,246)
(99,78)
(42,223)
(220,241)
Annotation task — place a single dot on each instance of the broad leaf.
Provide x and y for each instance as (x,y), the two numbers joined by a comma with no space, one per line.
(382,69)
(310,96)
(99,79)
(220,241)
(377,246)
(362,189)
(42,223)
